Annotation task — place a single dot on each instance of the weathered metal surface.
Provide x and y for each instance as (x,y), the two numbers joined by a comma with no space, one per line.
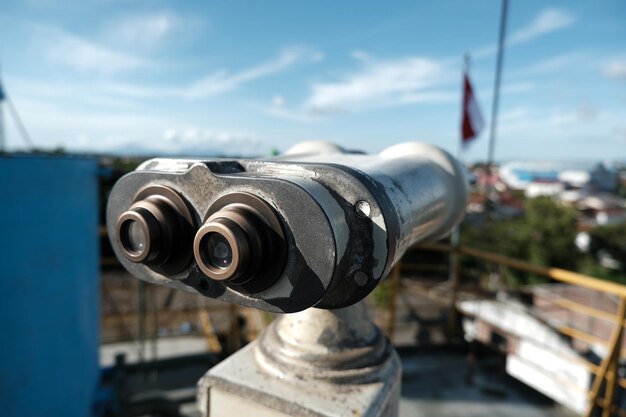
(311,255)
(336,345)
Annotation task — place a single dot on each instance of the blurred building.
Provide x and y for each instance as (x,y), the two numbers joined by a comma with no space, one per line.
(573,175)
(543,187)
(602,209)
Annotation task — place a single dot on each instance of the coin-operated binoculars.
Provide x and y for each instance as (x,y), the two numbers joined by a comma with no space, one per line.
(311,232)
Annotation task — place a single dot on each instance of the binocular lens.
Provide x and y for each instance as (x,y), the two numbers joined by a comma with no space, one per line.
(219,253)
(134,236)
(157,230)
(241,243)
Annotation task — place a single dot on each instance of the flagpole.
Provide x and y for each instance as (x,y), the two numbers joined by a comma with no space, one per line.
(470,129)
(466,64)
(455,238)
(496,95)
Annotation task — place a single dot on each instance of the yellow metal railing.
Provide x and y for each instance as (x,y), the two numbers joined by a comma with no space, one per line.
(606,375)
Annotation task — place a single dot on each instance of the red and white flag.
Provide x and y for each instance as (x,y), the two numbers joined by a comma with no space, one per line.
(472,121)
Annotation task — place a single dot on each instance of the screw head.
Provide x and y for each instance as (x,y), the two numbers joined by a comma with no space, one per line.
(363,208)
(360,278)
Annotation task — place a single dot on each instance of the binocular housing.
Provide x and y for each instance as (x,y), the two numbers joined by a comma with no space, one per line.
(315,227)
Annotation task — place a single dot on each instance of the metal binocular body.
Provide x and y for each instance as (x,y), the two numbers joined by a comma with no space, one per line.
(317,226)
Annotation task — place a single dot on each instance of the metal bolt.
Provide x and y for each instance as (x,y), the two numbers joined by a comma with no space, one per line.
(360,278)
(363,208)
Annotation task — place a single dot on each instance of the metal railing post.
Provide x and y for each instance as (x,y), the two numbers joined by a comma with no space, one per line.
(208,330)
(611,377)
(610,360)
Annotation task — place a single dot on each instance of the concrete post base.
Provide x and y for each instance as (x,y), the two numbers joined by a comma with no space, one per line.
(313,363)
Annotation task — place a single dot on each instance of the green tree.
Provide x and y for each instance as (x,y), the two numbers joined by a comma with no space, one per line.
(508,237)
(611,239)
(553,233)
(544,236)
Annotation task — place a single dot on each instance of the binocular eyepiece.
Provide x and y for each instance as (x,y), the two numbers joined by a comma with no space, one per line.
(240,243)
(157,230)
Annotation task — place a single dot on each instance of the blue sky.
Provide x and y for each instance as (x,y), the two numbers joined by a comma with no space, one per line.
(246,77)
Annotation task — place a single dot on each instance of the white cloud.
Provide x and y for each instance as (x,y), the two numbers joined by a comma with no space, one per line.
(379,82)
(552,64)
(278,108)
(520,87)
(620,133)
(292,115)
(616,69)
(362,56)
(278,101)
(141,91)
(547,21)
(560,132)
(424,97)
(141,30)
(514,115)
(80,93)
(584,121)
(83,55)
(506,89)
(587,112)
(193,137)
(223,80)
(382,84)
(52,124)
(111,96)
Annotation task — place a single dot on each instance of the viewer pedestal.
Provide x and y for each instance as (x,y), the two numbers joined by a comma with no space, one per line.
(313,363)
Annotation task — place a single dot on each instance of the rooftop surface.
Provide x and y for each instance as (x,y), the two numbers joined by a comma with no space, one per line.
(436,381)
(445,384)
